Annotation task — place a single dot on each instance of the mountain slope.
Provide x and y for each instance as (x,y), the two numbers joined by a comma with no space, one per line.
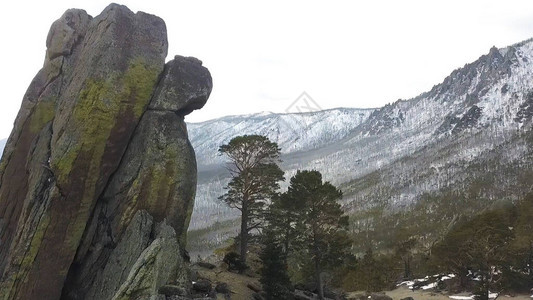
(475,110)
(467,140)
(2,145)
(292,132)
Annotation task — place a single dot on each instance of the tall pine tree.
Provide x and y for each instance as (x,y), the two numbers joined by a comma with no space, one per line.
(255,175)
(274,273)
(316,220)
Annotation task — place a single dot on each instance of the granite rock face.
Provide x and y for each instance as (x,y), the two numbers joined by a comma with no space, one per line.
(98,177)
(184,88)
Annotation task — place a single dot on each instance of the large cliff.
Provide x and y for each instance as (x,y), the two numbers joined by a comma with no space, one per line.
(98,177)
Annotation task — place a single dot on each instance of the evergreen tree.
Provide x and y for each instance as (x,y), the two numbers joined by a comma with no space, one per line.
(520,276)
(285,218)
(255,175)
(274,276)
(479,245)
(323,225)
(403,248)
(370,273)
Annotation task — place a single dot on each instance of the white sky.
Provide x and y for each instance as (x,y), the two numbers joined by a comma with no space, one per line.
(263,55)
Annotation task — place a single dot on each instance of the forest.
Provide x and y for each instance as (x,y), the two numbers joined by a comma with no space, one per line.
(306,240)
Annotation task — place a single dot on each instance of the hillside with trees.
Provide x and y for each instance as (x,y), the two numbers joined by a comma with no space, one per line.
(303,240)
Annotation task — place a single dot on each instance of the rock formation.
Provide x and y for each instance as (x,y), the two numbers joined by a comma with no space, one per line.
(98,177)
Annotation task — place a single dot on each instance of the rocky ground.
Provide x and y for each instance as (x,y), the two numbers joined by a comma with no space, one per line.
(222,283)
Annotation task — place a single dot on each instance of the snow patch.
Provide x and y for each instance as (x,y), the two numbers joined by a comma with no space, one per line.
(458,297)
(430,286)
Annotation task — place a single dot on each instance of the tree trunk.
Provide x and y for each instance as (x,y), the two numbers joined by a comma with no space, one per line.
(530,260)
(483,288)
(318,276)
(407,267)
(244,234)
(463,278)
(287,235)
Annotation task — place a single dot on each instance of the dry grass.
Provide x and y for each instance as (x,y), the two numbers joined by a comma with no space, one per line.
(236,282)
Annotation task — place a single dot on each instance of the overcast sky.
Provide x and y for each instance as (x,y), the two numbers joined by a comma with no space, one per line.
(263,55)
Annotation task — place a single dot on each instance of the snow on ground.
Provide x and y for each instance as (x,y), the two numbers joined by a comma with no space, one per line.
(438,278)
(406,283)
(430,286)
(457,297)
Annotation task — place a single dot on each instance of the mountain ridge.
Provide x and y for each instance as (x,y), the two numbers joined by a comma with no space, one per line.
(288,129)
(269,113)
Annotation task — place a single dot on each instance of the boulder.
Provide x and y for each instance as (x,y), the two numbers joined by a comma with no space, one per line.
(202,286)
(206,265)
(222,288)
(185,86)
(254,287)
(172,290)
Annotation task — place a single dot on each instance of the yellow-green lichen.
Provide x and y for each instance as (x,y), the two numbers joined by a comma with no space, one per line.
(154,187)
(102,104)
(25,261)
(43,113)
(36,241)
(162,181)
(139,83)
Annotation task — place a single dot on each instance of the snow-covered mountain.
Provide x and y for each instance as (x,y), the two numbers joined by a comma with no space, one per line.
(2,145)
(473,127)
(293,132)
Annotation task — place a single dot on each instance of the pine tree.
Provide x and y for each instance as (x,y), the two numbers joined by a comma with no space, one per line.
(323,225)
(479,244)
(255,175)
(274,276)
(285,218)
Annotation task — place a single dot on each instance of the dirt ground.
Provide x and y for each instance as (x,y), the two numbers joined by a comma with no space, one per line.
(238,284)
(403,292)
